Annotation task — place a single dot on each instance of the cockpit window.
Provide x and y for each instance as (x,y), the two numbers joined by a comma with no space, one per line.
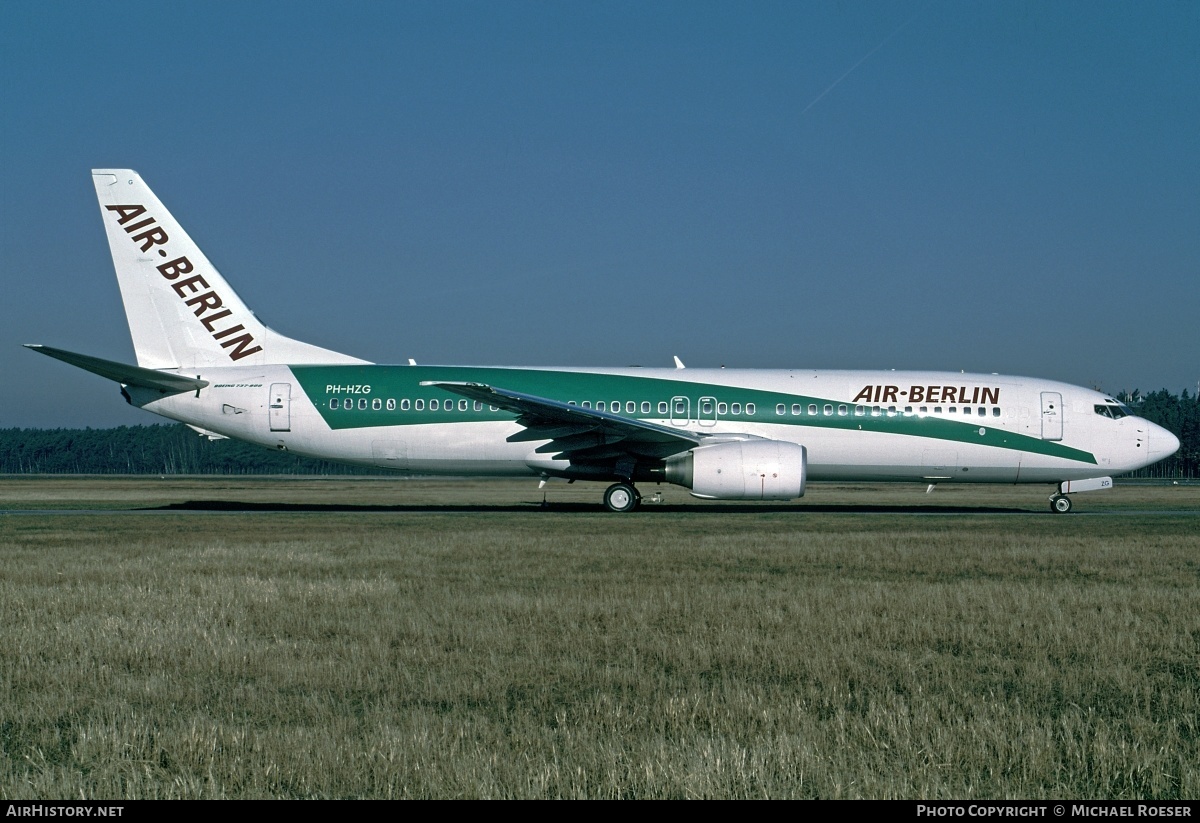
(1112,409)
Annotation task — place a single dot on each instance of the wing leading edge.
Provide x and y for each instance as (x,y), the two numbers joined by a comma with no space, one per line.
(578,434)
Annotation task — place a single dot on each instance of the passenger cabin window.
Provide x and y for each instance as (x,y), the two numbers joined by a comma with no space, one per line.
(995,411)
(434,405)
(333,403)
(645,407)
(859,411)
(362,403)
(812,408)
(376,404)
(404,404)
(599,405)
(722,408)
(630,407)
(797,408)
(587,404)
(736,408)
(781,408)
(478,406)
(391,404)
(706,407)
(419,405)
(749,408)
(462,405)
(828,409)
(662,406)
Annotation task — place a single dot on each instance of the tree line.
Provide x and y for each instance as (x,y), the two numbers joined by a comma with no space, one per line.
(176,449)
(151,449)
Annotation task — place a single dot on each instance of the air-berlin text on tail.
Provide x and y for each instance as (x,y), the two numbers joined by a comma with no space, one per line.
(205,303)
(975,395)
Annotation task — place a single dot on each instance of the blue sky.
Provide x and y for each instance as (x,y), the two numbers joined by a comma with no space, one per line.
(1004,187)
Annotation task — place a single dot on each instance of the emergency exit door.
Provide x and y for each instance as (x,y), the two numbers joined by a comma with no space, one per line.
(281,407)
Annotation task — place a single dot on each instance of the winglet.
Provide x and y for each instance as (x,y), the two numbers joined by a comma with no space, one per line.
(679,363)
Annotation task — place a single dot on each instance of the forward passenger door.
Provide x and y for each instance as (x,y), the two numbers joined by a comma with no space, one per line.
(1052,422)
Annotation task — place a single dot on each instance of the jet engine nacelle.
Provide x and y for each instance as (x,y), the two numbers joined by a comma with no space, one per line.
(742,470)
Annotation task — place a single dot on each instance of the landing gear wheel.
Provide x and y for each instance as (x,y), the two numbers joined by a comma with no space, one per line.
(1060,504)
(621,497)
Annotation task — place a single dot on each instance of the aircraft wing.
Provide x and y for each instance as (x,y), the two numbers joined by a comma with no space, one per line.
(575,433)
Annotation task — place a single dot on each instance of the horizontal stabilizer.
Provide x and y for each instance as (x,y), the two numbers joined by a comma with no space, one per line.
(206,433)
(123,373)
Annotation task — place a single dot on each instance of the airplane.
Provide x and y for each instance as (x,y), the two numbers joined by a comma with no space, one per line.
(205,360)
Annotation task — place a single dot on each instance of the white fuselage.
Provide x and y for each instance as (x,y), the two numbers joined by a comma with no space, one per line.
(855,425)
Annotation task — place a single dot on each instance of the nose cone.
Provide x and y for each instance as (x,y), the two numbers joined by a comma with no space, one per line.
(1161,443)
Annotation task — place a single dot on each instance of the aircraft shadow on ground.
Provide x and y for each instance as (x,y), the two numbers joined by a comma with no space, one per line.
(590,508)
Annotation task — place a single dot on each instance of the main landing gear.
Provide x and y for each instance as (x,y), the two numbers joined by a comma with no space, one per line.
(1061,504)
(621,497)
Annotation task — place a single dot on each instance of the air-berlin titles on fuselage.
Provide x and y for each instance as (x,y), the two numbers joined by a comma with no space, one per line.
(973,395)
(209,301)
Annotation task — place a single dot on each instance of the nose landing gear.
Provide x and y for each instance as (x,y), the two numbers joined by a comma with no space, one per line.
(621,497)
(1061,504)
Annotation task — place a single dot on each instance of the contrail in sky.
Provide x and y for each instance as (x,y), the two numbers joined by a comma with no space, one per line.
(865,58)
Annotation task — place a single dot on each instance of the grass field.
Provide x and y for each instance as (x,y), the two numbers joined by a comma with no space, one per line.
(391,638)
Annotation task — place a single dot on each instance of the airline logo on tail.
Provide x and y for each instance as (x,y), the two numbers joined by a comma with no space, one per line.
(195,291)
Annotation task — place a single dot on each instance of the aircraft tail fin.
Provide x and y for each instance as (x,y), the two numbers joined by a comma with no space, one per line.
(181,311)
